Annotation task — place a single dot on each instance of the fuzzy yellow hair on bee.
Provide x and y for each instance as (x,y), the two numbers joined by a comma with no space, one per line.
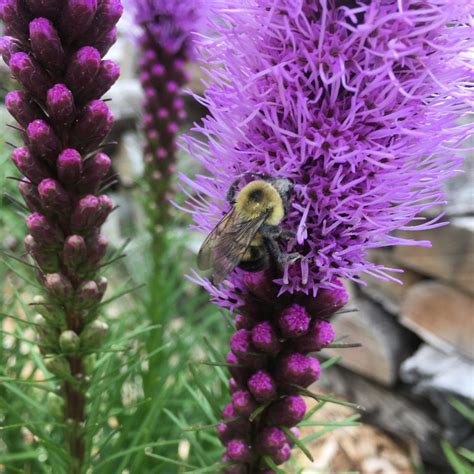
(257,198)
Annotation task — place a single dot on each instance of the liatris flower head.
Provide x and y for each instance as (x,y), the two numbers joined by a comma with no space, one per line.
(357,104)
(54,49)
(166,44)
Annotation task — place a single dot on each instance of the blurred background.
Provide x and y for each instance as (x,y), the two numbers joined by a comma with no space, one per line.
(414,373)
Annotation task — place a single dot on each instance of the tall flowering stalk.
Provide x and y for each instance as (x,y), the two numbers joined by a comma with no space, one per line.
(357,104)
(166,48)
(54,49)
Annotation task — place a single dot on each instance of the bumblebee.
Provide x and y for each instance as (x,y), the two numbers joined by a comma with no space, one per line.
(246,237)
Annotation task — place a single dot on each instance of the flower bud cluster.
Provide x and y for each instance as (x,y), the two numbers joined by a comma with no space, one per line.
(165,44)
(270,361)
(54,50)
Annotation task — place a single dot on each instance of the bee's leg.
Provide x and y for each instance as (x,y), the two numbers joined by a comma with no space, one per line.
(270,231)
(232,191)
(287,234)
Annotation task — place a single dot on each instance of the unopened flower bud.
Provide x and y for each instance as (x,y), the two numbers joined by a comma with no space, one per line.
(60,104)
(94,334)
(22,107)
(282,455)
(43,140)
(69,341)
(43,232)
(87,295)
(58,366)
(298,369)
(58,286)
(54,197)
(288,411)
(265,339)
(69,166)
(107,16)
(319,336)
(262,386)
(244,322)
(270,440)
(15,17)
(45,8)
(46,44)
(30,195)
(95,169)
(294,321)
(93,125)
(238,450)
(76,17)
(8,47)
(102,284)
(241,346)
(244,403)
(46,259)
(107,75)
(327,302)
(105,42)
(97,248)
(74,252)
(83,68)
(29,165)
(30,74)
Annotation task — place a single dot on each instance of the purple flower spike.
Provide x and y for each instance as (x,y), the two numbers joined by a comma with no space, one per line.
(358,105)
(54,49)
(238,450)
(294,321)
(166,47)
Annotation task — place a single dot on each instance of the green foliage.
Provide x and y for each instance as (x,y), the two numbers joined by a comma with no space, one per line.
(460,459)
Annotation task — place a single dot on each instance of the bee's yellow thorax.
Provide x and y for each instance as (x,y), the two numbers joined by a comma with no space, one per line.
(258,197)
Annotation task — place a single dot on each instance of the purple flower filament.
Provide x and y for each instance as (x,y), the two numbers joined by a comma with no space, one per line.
(54,49)
(357,103)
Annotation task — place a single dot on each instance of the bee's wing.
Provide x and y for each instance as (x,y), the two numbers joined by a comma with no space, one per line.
(225,246)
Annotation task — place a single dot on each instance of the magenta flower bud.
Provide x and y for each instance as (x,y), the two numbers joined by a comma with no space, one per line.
(76,17)
(93,126)
(238,373)
(58,286)
(107,16)
(87,295)
(224,432)
(82,69)
(43,141)
(105,208)
(86,213)
(238,450)
(46,259)
(243,403)
(22,107)
(46,44)
(105,42)
(30,195)
(298,369)
(74,252)
(60,104)
(296,433)
(47,8)
(30,74)
(319,336)
(234,468)
(262,386)
(294,321)
(96,249)
(42,231)
(270,440)
(327,302)
(282,455)
(264,338)
(54,197)
(288,411)
(8,47)
(107,75)
(29,165)
(102,284)
(69,166)
(241,343)
(240,426)
(244,322)
(15,17)
(233,385)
